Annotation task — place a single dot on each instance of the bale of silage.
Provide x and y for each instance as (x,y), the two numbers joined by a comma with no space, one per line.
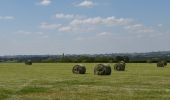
(161,64)
(79,69)
(102,69)
(28,62)
(120,66)
(122,62)
(165,63)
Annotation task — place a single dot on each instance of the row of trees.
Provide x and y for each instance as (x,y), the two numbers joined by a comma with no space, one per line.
(71,59)
(82,59)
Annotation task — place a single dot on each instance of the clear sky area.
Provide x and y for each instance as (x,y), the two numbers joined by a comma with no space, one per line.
(83,26)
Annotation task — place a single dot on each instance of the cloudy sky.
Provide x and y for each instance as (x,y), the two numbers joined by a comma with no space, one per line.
(83,26)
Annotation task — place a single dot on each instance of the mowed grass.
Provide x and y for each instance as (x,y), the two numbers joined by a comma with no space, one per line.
(55,81)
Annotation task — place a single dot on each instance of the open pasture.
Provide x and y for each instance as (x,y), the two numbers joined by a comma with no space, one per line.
(55,81)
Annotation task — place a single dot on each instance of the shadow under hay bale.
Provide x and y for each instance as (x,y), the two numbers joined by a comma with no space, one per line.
(161,64)
(79,69)
(102,69)
(28,62)
(120,66)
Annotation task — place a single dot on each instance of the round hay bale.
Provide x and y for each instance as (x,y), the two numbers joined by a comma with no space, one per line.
(122,62)
(79,69)
(28,62)
(160,64)
(102,69)
(120,66)
(165,63)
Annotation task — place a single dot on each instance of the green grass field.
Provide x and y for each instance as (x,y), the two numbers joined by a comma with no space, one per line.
(56,82)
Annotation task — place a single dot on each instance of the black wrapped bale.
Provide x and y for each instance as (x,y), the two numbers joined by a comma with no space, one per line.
(79,69)
(161,64)
(102,69)
(28,62)
(120,66)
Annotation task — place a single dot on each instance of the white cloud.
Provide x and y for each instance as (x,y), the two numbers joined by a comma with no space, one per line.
(7,17)
(139,28)
(45,2)
(86,3)
(104,34)
(63,16)
(98,20)
(68,16)
(65,29)
(116,21)
(100,26)
(49,26)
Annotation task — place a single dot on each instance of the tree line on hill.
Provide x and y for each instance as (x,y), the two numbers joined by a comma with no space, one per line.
(151,57)
(67,59)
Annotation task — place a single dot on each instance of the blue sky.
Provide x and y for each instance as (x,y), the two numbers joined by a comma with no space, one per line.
(83,26)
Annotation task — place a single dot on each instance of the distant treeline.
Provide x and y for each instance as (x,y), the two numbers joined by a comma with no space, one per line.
(105,58)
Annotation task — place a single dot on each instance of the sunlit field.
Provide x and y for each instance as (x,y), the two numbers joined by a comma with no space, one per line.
(55,81)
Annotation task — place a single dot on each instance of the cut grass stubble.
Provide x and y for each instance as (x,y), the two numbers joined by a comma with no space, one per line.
(57,82)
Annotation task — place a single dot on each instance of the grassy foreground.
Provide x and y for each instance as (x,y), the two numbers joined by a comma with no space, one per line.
(56,82)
